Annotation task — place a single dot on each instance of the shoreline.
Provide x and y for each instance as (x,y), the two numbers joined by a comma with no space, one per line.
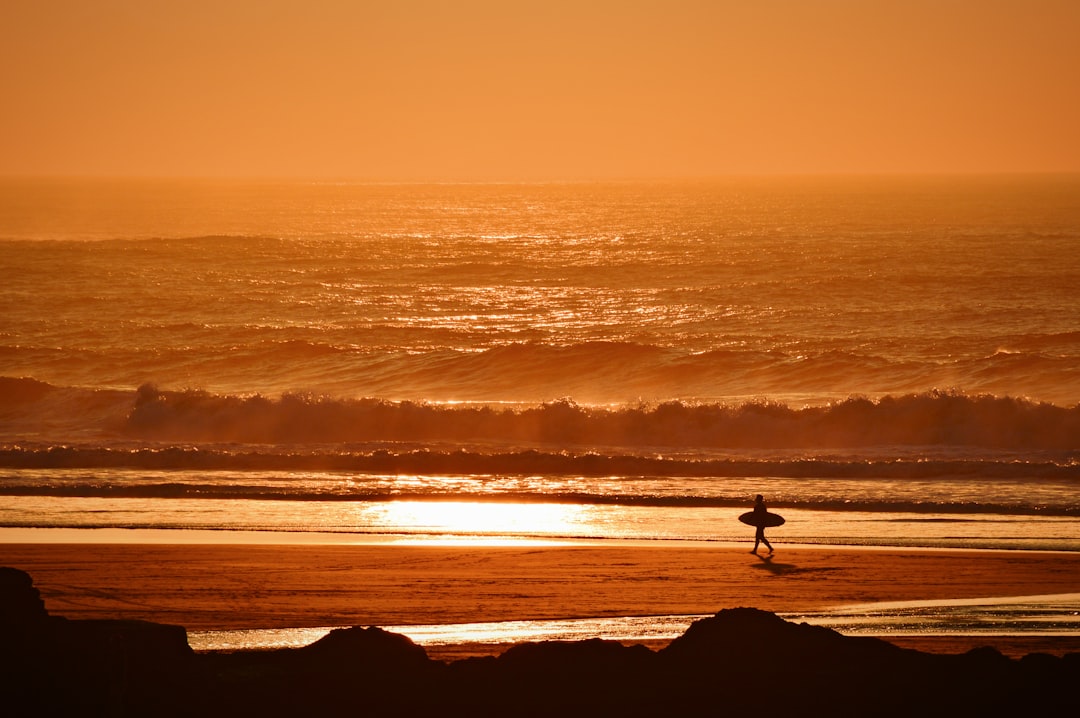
(18,536)
(1018,626)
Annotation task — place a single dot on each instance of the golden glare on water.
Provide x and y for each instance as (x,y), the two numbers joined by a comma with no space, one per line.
(481,522)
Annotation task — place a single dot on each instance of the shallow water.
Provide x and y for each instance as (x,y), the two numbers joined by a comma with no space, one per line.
(1011,513)
(1054,615)
(494,522)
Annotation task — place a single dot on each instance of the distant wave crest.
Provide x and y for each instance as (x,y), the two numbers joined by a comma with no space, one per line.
(513,462)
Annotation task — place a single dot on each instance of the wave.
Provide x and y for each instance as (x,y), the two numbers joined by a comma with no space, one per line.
(34,410)
(936,418)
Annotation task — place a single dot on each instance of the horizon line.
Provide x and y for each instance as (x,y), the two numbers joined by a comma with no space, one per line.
(643,179)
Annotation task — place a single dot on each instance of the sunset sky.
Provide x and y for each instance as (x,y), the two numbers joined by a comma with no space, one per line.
(531,90)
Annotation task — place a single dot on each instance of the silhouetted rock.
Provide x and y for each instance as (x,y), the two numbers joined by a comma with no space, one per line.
(351,671)
(757,659)
(21,606)
(750,636)
(52,665)
(371,645)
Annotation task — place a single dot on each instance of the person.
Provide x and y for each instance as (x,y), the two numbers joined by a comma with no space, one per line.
(759,514)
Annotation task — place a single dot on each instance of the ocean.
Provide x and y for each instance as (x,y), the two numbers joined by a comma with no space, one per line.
(890,361)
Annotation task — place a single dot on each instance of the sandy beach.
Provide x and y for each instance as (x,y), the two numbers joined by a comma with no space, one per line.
(229,586)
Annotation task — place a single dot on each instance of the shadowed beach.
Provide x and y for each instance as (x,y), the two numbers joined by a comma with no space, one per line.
(222,586)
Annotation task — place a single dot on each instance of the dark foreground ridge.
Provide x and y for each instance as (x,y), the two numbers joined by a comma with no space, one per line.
(740,660)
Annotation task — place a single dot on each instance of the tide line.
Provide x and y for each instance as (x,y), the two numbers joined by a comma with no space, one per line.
(1045,615)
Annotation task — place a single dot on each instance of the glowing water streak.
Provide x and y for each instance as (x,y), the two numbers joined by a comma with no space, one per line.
(1045,615)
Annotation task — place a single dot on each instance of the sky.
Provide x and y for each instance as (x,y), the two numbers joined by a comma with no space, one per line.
(504,90)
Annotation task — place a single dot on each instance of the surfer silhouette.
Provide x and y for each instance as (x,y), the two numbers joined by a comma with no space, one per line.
(759,515)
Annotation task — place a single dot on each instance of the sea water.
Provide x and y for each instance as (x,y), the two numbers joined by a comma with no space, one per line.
(890,361)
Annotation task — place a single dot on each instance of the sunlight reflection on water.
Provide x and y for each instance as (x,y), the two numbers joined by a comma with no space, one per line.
(490,522)
(479,518)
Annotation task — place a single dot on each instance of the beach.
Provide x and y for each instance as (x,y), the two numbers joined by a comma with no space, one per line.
(246,586)
(374,359)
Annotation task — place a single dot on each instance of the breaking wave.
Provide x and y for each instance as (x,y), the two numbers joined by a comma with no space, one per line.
(30,408)
(912,437)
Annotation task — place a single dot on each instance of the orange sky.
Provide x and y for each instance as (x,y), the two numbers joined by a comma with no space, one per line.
(546,89)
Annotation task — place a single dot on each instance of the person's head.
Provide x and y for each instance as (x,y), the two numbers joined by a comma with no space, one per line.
(759,498)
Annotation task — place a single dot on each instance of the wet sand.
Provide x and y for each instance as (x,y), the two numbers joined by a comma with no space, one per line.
(234,586)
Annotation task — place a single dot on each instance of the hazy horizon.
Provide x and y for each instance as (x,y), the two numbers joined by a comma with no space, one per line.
(478,91)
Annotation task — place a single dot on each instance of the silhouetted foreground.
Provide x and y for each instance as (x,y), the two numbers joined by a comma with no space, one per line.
(739,660)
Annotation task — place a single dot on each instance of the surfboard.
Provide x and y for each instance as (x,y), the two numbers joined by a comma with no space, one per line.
(752,518)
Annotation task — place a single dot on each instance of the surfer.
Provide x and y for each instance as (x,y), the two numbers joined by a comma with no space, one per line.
(759,514)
